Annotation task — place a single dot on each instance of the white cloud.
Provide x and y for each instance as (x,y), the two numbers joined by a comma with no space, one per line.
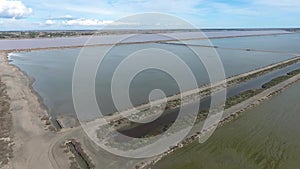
(64,17)
(13,9)
(87,22)
(97,22)
(50,22)
(19,24)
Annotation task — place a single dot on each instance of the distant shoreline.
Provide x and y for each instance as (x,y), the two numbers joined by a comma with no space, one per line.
(17,45)
(25,34)
(31,127)
(34,117)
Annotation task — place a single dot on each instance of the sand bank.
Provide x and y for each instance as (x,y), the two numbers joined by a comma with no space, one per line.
(31,136)
(33,142)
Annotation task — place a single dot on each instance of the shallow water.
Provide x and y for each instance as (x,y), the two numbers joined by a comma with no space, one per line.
(280,43)
(113,39)
(171,115)
(52,70)
(264,137)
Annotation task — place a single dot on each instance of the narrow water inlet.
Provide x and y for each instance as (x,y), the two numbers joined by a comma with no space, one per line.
(79,156)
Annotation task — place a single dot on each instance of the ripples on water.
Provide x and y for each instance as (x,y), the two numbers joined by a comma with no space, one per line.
(264,137)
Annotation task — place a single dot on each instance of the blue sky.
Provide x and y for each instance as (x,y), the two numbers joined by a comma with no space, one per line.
(94,14)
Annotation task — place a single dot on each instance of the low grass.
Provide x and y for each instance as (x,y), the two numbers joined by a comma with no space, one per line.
(280,79)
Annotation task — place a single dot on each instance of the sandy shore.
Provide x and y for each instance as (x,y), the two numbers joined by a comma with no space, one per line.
(33,142)
(32,139)
(34,145)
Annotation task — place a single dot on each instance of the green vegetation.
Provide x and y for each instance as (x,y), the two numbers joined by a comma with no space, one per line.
(37,34)
(202,115)
(294,73)
(231,101)
(242,79)
(241,97)
(280,79)
(66,33)
(81,157)
(263,138)
(275,81)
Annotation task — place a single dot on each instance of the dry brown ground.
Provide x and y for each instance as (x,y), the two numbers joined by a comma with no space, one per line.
(23,113)
(5,127)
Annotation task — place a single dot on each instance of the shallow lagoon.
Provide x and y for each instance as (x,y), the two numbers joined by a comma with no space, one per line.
(281,43)
(264,137)
(52,71)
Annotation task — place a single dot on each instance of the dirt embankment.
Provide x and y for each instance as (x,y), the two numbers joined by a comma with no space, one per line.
(6,135)
(29,124)
(228,115)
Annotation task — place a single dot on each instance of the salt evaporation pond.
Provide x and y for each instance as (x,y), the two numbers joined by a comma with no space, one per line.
(264,137)
(12,44)
(52,71)
(281,43)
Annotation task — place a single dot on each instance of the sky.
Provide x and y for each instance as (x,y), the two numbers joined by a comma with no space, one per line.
(96,14)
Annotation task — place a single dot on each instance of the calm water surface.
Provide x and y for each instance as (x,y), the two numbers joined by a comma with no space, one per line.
(52,70)
(112,39)
(281,43)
